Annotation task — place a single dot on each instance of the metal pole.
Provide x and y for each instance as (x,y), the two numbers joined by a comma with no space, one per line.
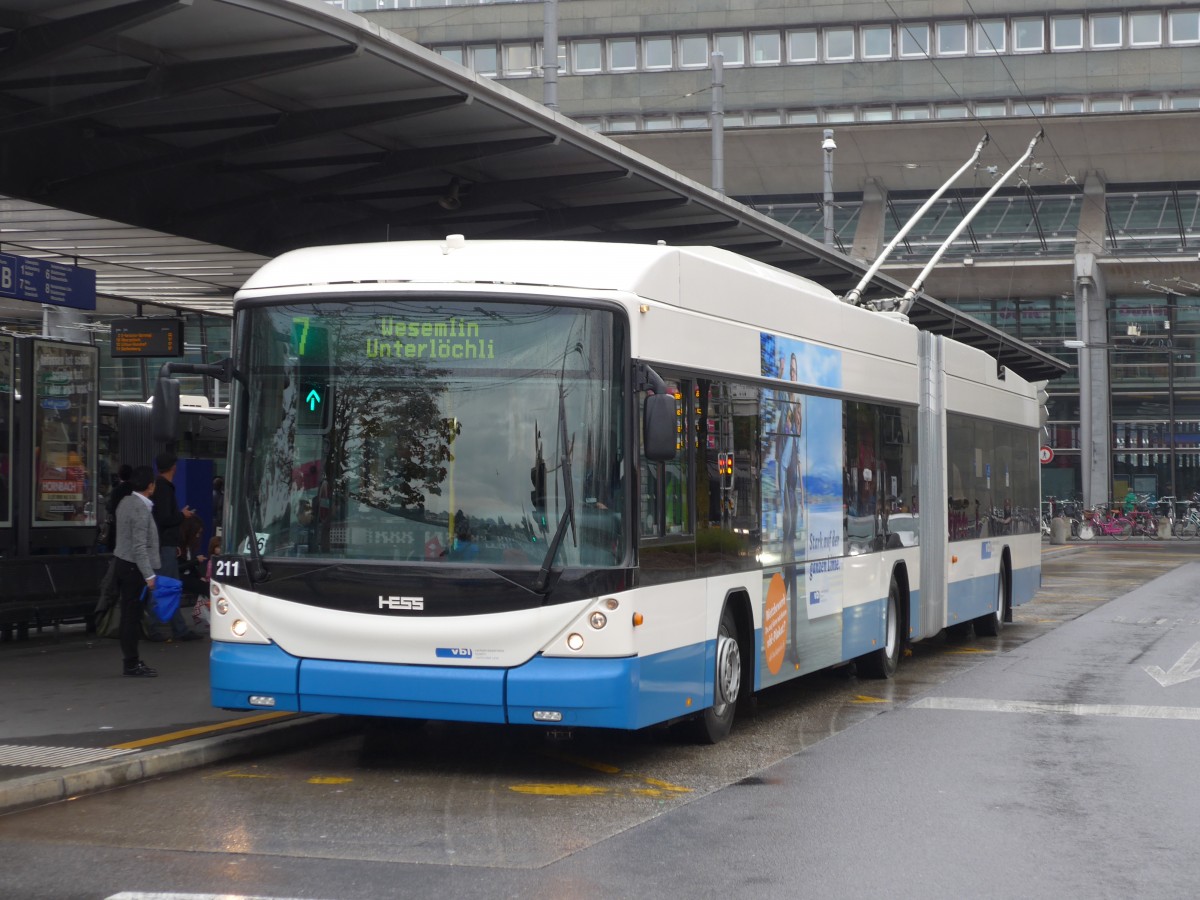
(1171,415)
(853,296)
(550,54)
(717,122)
(906,301)
(827,147)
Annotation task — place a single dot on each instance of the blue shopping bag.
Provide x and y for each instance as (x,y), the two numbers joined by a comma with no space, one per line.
(164,602)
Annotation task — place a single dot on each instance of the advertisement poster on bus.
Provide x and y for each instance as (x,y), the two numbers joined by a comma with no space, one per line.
(803,508)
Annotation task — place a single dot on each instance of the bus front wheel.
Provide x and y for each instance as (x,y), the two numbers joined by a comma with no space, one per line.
(713,725)
(992,624)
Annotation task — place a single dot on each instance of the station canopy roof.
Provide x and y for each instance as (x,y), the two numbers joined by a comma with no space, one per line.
(174,145)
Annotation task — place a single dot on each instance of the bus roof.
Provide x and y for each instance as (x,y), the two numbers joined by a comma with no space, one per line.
(651,271)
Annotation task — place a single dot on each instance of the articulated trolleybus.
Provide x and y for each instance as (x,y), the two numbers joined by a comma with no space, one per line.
(598,485)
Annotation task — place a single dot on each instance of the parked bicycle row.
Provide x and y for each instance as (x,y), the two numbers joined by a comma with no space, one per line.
(1136,515)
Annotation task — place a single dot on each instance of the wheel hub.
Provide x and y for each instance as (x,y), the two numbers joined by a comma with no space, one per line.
(729,671)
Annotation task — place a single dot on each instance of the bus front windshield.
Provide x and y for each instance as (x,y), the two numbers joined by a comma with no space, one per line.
(431,429)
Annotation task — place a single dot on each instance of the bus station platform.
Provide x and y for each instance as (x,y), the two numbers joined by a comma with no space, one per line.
(71,723)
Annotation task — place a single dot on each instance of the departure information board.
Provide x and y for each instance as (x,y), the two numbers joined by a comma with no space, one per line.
(160,336)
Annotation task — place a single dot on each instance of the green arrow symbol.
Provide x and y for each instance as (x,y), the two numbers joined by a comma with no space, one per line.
(312,400)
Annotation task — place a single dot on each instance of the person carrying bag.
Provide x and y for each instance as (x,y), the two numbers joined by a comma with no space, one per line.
(137,556)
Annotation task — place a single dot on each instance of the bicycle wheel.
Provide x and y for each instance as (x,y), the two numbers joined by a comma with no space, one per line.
(1123,529)
(1086,531)
(1188,528)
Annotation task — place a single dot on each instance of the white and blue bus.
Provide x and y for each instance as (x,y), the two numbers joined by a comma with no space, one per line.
(598,485)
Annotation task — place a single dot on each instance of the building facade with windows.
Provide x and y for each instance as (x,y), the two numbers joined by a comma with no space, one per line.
(1095,240)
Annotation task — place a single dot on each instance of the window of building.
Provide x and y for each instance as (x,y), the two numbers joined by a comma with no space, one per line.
(1145,104)
(1185,103)
(1106,30)
(765,47)
(585,56)
(735,120)
(912,113)
(802,117)
(658,53)
(766,117)
(483,59)
(591,124)
(454,54)
(622,55)
(657,123)
(622,123)
(951,38)
(876,42)
(1145,29)
(990,110)
(1105,105)
(1067,107)
(562,56)
(990,36)
(1184,26)
(914,40)
(952,111)
(839,44)
(1066,33)
(693,51)
(802,46)
(518,59)
(732,47)
(836,116)
(878,114)
(1029,35)
(693,121)
(1029,108)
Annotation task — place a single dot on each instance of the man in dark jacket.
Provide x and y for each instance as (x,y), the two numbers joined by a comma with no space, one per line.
(168,517)
(167,514)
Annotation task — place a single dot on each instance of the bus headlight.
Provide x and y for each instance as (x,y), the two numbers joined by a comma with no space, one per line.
(575,641)
(222,606)
(597,620)
(239,627)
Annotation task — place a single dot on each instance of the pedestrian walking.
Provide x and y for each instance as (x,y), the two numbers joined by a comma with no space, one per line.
(137,555)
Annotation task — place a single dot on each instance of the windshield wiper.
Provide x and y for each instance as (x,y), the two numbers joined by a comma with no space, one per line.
(568,516)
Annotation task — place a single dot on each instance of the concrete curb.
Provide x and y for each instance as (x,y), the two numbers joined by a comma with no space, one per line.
(89,778)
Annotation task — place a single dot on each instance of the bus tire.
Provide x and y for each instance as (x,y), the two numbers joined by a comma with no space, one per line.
(993,623)
(882,663)
(713,725)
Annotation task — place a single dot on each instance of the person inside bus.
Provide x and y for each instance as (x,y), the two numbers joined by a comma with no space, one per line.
(465,547)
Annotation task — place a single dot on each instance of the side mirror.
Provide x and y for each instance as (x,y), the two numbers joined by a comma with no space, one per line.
(164,417)
(659,435)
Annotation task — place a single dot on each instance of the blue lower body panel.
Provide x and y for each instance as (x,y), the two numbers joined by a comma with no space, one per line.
(624,693)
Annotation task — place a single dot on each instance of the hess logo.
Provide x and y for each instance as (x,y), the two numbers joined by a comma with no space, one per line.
(412,603)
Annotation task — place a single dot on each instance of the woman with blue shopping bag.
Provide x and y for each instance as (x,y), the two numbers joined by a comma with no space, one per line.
(137,558)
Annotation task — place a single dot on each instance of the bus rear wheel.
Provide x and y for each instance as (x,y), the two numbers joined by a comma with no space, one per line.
(713,725)
(882,663)
(993,623)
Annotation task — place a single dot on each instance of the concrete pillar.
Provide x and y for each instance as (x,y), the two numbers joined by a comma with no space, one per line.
(1095,417)
(870,232)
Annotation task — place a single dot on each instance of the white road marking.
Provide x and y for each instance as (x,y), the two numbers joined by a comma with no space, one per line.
(1180,672)
(168,895)
(971,704)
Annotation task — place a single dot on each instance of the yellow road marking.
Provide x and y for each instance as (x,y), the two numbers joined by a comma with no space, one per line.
(204,729)
(558,790)
(654,786)
(329,779)
(970,650)
(863,698)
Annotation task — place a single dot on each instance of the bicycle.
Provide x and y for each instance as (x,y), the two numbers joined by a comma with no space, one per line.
(1105,521)
(1187,526)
